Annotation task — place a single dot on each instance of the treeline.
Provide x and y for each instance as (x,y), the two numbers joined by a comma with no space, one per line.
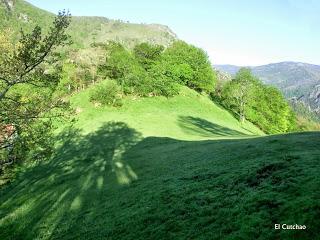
(152,70)
(145,70)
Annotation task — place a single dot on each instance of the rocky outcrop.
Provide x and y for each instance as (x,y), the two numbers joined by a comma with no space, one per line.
(315,94)
(9,4)
(24,17)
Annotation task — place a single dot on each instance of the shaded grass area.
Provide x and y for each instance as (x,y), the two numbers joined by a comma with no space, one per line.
(114,184)
(204,128)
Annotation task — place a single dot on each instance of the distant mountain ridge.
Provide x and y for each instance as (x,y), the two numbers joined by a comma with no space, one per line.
(298,81)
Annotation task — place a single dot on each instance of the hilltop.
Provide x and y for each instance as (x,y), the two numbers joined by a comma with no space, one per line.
(84,30)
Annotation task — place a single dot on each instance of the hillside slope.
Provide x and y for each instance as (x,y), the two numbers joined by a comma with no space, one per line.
(186,116)
(145,171)
(84,30)
(296,80)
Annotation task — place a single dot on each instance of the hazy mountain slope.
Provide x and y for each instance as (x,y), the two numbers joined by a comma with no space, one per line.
(84,30)
(230,69)
(294,79)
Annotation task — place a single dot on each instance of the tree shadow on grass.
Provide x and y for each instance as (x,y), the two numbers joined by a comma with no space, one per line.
(204,128)
(174,186)
(50,198)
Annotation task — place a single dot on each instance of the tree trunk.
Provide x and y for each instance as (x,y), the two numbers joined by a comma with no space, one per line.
(242,118)
(242,115)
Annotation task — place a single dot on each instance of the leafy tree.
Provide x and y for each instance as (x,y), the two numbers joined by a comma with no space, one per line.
(29,74)
(270,111)
(120,63)
(136,81)
(66,84)
(239,92)
(263,105)
(147,54)
(189,66)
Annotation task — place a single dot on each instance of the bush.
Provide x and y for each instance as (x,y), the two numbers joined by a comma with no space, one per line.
(107,92)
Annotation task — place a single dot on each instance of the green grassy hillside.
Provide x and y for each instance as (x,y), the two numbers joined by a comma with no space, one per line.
(156,168)
(188,116)
(85,30)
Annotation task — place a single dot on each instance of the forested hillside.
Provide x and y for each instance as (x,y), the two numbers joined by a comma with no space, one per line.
(297,81)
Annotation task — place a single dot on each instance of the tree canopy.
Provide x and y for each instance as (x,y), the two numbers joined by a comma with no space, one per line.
(153,70)
(29,74)
(190,66)
(263,105)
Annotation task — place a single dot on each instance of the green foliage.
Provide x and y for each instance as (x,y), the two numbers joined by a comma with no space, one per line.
(136,72)
(190,66)
(150,71)
(37,143)
(66,83)
(75,75)
(237,93)
(270,111)
(161,83)
(29,74)
(119,61)
(121,66)
(147,54)
(107,92)
(263,105)
(136,81)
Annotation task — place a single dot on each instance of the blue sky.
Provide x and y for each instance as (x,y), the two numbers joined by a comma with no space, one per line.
(240,32)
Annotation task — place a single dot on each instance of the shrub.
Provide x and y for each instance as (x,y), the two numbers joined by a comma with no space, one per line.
(107,92)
